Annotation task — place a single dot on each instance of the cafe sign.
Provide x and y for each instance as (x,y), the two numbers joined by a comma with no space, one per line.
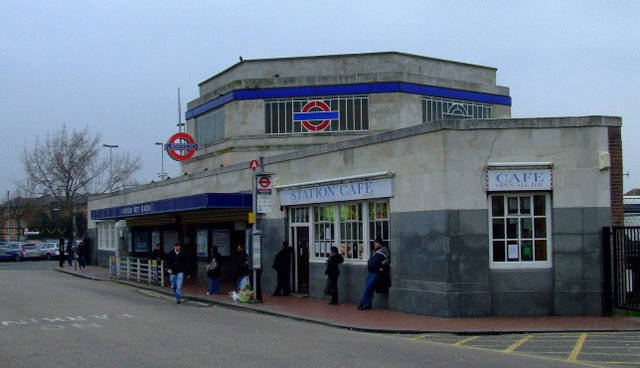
(519,180)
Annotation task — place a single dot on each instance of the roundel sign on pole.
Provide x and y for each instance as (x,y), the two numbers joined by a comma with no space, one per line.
(181,146)
(316,115)
(264,183)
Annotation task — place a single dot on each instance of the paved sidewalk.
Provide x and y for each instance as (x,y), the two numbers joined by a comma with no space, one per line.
(347,315)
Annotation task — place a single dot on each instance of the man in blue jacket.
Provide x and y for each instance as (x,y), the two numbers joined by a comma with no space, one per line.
(177,266)
(378,263)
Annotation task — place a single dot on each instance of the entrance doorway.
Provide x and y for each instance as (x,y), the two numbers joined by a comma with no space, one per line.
(300,236)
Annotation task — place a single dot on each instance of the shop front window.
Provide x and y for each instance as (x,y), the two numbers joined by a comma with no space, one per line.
(351,227)
(323,230)
(519,232)
(351,234)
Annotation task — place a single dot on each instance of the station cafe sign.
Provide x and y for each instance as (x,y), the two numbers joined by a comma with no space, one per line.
(361,190)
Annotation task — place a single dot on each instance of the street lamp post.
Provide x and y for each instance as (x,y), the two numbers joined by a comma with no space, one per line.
(110,146)
(162,173)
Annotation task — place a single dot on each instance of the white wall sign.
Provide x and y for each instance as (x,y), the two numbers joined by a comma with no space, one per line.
(381,188)
(519,179)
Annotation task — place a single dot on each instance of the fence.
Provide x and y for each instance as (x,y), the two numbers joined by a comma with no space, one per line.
(625,244)
(137,269)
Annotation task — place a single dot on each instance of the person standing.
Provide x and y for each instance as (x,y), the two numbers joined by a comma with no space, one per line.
(378,263)
(177,267)
(333,272)
(214,271)
(241,264)
(70,251)
(158,253)
(81,250)
(282,265)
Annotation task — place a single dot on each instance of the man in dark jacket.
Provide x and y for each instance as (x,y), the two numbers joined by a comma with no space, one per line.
(282,264)
(378,263)
(177,267)
(333,272)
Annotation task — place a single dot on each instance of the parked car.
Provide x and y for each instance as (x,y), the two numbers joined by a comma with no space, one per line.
(26,251)
(50,250)
(10,252)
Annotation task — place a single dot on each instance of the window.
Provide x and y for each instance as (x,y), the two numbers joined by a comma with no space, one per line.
(438,108)
(379,221)
(107,236)
(351,234)
(348,227)
(346,113)
(210,127)
(323,230)
(520,230)
(300,215)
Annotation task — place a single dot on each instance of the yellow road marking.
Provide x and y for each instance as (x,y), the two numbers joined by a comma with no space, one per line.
(154,294)
(419,337)
(466,340)
(573,357)
(513,347)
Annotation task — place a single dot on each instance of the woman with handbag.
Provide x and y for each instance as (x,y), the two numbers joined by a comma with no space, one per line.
(214,272)
(333,272)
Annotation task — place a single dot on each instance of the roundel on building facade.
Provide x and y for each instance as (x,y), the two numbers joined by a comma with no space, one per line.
(316,115)
(181,146)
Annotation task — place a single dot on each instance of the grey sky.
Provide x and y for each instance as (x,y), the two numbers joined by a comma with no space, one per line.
(115,66)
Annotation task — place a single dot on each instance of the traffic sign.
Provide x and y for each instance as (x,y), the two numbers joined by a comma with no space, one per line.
(254,165)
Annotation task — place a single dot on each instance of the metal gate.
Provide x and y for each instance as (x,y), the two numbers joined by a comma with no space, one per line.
(625,252)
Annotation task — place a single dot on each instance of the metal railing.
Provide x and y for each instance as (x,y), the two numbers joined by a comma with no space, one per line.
(626,267)
(137,269)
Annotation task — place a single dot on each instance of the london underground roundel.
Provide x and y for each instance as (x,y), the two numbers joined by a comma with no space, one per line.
(181,146)
(316,115)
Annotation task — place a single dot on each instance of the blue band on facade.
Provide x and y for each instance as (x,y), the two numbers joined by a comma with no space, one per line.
(348,90)
(316,115)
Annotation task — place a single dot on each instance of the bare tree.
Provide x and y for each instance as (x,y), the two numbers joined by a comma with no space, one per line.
(68,165)
(20,209)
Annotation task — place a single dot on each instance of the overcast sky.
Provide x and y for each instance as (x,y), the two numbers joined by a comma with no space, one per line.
(116,66)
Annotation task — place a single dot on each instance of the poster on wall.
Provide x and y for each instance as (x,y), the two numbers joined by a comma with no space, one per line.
(201,241)
(142,241)
(155,239)
(222,240)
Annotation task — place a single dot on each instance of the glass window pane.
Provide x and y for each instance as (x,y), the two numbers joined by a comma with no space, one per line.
(526,230)
(540,227)
(512,205)
(497,206)
(512,228)
(499,254)
(526,250)
(540,206)
(525,205)
(541,250)
(498,228)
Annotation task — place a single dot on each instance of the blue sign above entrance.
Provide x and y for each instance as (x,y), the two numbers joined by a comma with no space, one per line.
(195,202)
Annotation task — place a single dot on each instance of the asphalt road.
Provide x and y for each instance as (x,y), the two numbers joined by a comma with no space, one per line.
(51,319)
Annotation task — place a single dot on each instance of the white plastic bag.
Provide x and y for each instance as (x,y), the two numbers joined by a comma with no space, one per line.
(245,284)
(234,295)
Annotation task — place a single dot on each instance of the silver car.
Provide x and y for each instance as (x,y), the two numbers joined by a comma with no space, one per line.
(49,250)
(28,251)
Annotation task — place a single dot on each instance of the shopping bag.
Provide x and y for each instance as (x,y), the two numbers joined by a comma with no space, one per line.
(245,283)
(328,290)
